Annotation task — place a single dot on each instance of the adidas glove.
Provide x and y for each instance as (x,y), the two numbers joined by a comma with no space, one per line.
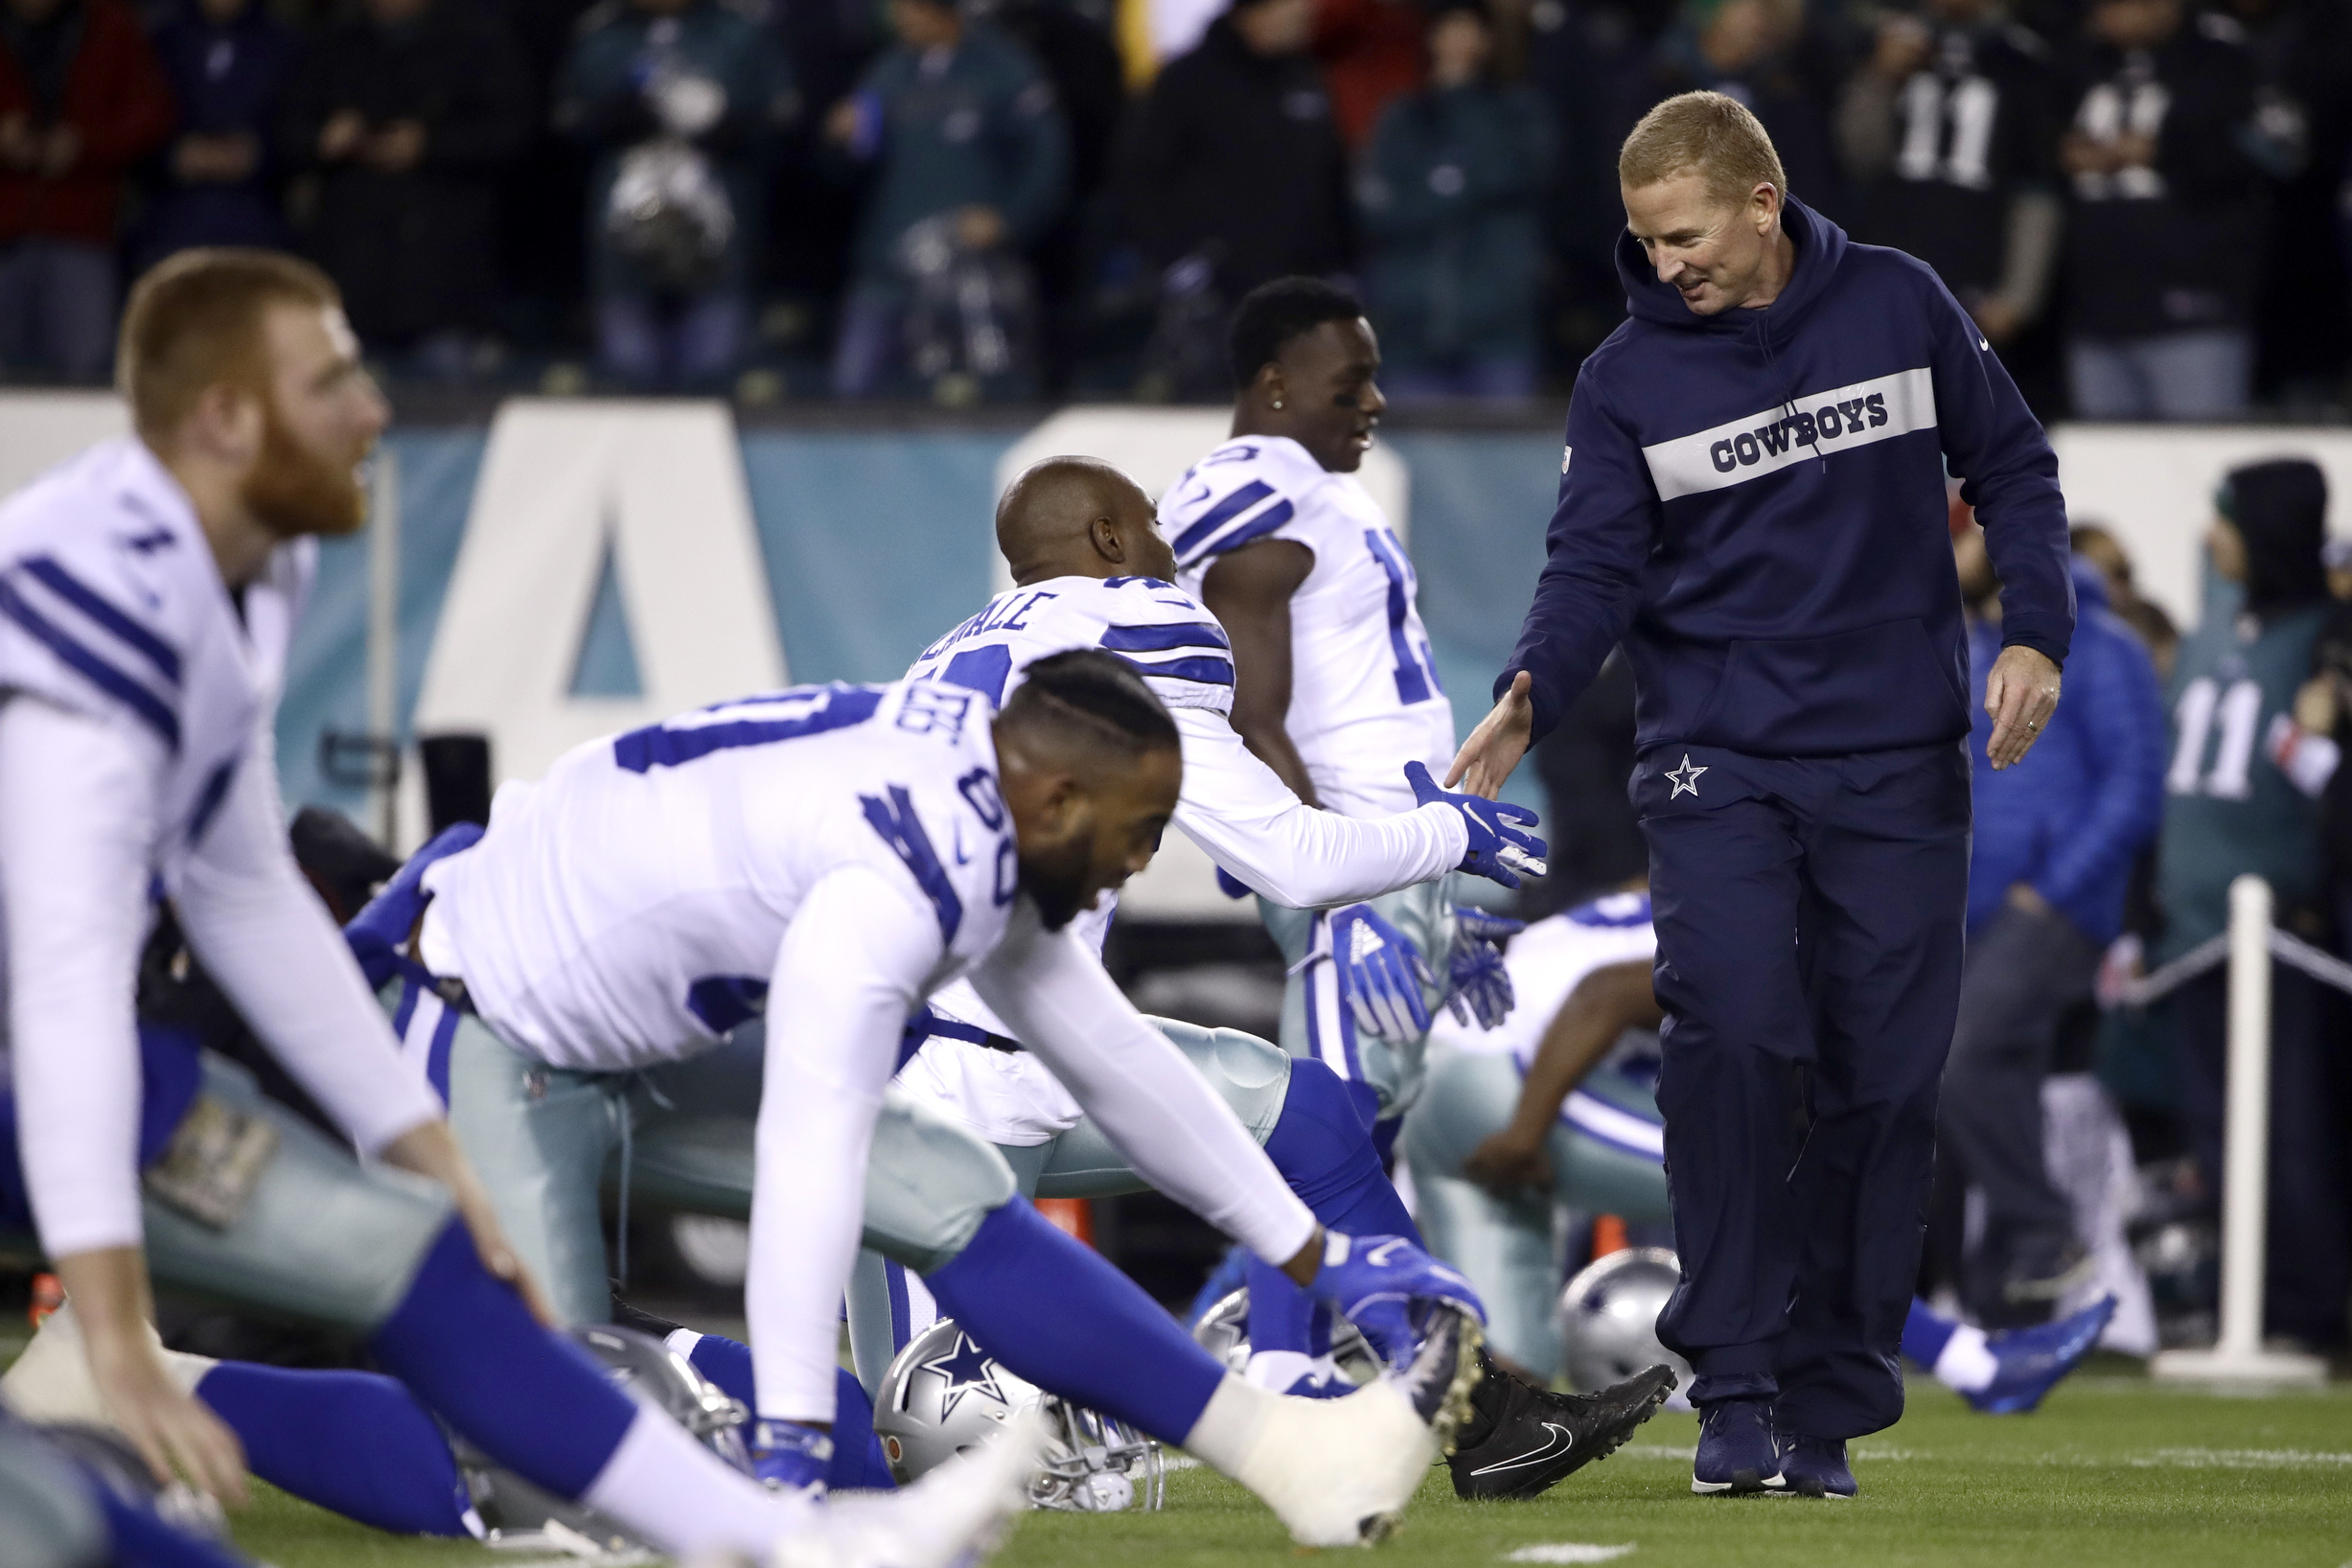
(1380,973)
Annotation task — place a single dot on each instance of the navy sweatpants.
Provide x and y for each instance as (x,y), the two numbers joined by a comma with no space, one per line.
(1809,916)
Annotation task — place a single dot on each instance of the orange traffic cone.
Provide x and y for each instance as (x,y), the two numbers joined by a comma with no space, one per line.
(1073,1216)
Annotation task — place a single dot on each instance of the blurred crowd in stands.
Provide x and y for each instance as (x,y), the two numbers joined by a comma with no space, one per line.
(2141,201)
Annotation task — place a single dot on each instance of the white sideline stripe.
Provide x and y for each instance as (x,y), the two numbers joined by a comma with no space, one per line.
(1568,1552)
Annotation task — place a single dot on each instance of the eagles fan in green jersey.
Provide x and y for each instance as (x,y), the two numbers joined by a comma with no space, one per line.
(2242,789)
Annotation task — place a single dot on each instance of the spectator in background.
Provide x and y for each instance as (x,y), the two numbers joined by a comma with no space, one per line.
(406,113)
(228,62)
(1452,240)
(1757,52)
(1076,52)
(2155,629)
(1946,132)
(2164,152)
(1372,53)
(2051,862)
(2241,785)
(81,99)
(1234,175)
(971,160)
(681,101)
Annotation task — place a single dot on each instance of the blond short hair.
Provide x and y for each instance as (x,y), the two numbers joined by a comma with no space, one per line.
(194,321)
(1716,135)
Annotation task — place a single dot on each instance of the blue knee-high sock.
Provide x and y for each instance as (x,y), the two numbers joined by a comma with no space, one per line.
(353,1442)
(531,1399)
(1925,1334)
(857,1453)
(1055,1312)
(1323,1146)
(1326,1148)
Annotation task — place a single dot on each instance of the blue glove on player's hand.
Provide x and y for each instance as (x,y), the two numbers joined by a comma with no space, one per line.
(1380,973)
(1501,849)
(1374,1280)
(1477,984)
(787,1456)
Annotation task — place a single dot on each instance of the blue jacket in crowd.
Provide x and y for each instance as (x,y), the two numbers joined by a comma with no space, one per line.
(2072,817)
(1754,504)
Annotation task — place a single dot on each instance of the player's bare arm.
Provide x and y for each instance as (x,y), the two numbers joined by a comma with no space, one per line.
(108,1288)
(1605,1004)
(1249,592)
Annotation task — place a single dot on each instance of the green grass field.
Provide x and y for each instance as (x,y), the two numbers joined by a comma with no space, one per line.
(2111,1471)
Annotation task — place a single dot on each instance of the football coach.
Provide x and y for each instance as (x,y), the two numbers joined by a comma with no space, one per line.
(1753,500)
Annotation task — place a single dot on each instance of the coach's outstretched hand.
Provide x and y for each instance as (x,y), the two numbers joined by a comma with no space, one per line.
(1373,1281)
(2020,694)
(1500,846)
(1498,743)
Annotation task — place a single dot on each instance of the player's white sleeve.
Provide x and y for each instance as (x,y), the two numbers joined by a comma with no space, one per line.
(261,932)
(852,966)
(78,803)
(1239,811)
(1153,1104)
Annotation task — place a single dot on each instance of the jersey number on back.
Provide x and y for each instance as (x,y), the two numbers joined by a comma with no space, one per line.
(756,721)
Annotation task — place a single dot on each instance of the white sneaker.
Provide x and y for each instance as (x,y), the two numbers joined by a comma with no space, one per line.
(955,1516)
(1339,1473)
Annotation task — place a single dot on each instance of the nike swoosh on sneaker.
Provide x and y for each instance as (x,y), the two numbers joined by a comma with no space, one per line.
(1560,1441)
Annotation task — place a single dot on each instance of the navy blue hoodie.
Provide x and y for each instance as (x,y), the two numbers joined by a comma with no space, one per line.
(1754,504)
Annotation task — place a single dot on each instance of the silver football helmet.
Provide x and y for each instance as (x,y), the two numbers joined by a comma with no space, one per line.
(1224,1332)
(944,1394)
(511,1509)
(1609,1317)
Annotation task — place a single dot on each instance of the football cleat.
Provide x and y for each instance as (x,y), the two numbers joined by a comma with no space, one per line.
(1816,1467)
(955,1516)
(1339,1473)
(1521,1439)
(2032,1361)
(1737,1455)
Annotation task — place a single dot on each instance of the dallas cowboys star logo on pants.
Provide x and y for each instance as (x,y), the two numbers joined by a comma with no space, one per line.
(1684,779)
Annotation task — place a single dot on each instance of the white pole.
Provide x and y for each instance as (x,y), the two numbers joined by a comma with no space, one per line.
(383,644)
(2238,1356)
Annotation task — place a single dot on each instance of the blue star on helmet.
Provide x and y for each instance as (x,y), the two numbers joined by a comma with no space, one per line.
(965,1369)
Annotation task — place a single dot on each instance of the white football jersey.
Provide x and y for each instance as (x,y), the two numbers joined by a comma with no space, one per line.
(110,604)
(1364,696)
(629,908)
(1173,643)
(1161,630)
(1550,959)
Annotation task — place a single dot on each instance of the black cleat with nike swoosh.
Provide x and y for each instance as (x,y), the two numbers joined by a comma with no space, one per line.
(1521,1439)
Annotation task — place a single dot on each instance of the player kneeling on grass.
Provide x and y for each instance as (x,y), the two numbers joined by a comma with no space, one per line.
(851,848)
(147,592)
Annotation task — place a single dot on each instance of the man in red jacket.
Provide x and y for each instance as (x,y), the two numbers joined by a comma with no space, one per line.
(81,99)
